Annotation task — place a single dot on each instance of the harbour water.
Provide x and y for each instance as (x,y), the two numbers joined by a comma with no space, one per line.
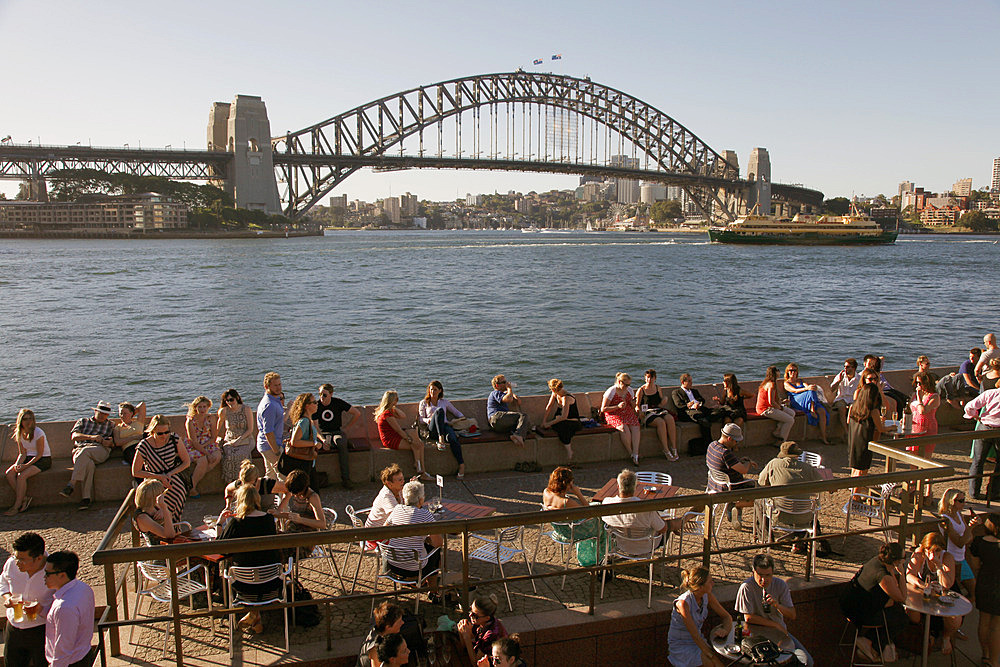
(164,321)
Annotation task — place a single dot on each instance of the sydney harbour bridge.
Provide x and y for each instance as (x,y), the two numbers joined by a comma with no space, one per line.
(514,121)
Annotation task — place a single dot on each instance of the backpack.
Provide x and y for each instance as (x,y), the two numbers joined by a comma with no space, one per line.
(760,650)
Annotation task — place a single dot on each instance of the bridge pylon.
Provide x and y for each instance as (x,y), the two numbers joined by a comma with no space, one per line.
(242,129)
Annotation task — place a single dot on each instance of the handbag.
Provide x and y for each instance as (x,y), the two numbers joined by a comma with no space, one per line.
(760,650)
(464,424)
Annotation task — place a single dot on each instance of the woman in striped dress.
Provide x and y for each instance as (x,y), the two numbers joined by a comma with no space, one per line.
(162,455)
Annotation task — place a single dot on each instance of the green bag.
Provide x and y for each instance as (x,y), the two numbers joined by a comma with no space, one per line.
(591,552)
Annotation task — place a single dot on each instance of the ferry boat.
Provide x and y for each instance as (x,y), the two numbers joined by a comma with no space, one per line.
(855,228)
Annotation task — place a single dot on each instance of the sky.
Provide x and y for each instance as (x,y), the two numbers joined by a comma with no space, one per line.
(849,97)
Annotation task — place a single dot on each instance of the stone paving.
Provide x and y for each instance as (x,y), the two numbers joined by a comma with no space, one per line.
(67,528)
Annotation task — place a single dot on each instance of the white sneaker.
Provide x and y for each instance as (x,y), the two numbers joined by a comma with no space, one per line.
(442,446)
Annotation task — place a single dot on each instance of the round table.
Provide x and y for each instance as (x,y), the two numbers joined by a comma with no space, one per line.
(915,602)
(783,641)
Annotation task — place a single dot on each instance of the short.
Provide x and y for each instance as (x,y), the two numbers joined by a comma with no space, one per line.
(965,572)
(43,463)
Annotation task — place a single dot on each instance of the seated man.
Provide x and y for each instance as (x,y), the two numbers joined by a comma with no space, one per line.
(411,511)
(387,499)
(721,457)
(92,443)
(690,407)
(990,352)
(845,383)
(503,409)
(785,468)
(333,417)
(650,521)
(765,599)
(957,388)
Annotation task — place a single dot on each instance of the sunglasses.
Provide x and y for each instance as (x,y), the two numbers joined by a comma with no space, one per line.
(167,432)
(230,400)
(959,500)
(51,572)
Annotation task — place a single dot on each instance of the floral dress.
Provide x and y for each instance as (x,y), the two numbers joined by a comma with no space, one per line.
(203,436)
(619,418)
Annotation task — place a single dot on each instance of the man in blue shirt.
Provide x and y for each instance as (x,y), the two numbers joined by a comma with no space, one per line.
(270,424)
(503,409)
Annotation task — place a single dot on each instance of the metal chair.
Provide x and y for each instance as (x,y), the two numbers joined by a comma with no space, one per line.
(789,506)
(873,505)
(631,544)
(559,529)
(721,480)
(500,549)
(881,641)
(156,586)
(406,559)
(260,574)
(812,458)
(365,548)
(326,550)
(654,477)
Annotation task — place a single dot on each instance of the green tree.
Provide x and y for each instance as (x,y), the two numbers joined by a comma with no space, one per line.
(666,211)
(837,206)
(978,222)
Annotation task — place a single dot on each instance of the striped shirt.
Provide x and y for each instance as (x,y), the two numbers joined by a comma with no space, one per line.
(720,457)
(402,515)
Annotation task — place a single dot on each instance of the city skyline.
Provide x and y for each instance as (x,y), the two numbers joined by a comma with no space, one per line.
(858,109)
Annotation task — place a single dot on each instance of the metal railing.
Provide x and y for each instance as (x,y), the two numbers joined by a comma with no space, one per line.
(922,470)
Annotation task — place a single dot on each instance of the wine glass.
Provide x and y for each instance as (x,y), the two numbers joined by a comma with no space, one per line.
(431,652)
(446,653)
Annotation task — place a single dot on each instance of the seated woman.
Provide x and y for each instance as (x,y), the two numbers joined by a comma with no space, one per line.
(249,521)
(305,442)
(130,429)
(562,415)
(875,597)
(924,406)
(506,652)
(654,413)
(618,406)
(932,564)
(392,651)
(562,493)
(250,474)
(237,431)
(808,398)
(686,644)
(394,436)
(161,455)
(481,628)
(203,450)
(434,410)
(301,509)
(388,620)
(959,534)
(771,405)
(152,518)
(33,457)
(731,402)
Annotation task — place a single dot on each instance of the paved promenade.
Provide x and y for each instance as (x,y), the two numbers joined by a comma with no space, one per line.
(67,528)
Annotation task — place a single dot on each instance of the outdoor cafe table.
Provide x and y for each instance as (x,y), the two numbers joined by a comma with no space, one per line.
(451,510)
(915,602)
(781,639)
(643,490)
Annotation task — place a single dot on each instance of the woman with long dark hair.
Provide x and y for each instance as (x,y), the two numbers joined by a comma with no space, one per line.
(864,424)
(649,402)
(808,398)
(434,410)
(770,405)
(237,431)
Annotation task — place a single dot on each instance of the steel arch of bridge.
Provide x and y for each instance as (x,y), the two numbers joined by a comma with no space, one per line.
(316,159)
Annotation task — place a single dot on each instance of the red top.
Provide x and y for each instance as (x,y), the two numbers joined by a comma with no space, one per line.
(386,433)
(763,398)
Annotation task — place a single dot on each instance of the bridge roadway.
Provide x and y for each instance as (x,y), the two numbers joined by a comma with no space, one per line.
(20,161)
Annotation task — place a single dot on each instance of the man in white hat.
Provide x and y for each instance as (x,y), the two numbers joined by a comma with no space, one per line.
(721,457)
(92,443)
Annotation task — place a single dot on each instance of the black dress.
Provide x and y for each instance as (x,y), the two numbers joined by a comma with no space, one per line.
(253,526)
(567,428)
(859,434)
(733,407)
(655,409)
(988,579)
(863,601)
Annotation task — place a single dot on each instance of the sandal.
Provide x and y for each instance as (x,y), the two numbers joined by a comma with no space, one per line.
(26,504)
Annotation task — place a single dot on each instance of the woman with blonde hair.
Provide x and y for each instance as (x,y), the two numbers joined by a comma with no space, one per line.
(250,474)
(33,457)
(203,450)
(959,534)
(562,415)
(394,436)
(249,521)
(618,406)
(161,455)
(808,398)
(152,518)
(686,645)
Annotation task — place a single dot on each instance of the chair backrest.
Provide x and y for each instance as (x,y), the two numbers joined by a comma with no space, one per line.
(153,571)
(257,574)
(693,523)
(811,458)
(791,505)
(719,477)
(509,534)
(353,516)
(401,557)
(654,477)
(331,517)
(633,540)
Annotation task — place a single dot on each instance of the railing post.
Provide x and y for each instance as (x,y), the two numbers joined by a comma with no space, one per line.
(111,598)
(706,546)
(904,516)
(465,569)
(175,611)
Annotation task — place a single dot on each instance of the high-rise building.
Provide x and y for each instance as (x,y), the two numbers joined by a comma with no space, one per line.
(759,174)
(650,193)
(408,205)
(473,200)
(339,202)
(996,175)
(962,187)
(390,207)
(627,188)
(905,194)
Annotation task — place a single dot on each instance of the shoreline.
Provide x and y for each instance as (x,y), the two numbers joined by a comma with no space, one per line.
(154,236)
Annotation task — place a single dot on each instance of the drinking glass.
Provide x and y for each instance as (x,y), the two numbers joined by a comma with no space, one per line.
(432,656)
(18,603)
(31,608)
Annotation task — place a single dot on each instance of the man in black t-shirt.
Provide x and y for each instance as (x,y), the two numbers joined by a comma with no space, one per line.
(331,424)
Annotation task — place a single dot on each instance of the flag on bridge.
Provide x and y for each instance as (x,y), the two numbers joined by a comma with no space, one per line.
(558,56)
(536,62)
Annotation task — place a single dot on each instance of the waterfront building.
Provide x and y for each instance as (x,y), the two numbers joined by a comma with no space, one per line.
(962,187)
(996,175)
(905,188)
(650,193)
(390,208)
(145,212)
(759,174)
(944,216)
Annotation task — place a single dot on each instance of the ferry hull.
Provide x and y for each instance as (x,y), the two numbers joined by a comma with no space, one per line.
(802,238)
